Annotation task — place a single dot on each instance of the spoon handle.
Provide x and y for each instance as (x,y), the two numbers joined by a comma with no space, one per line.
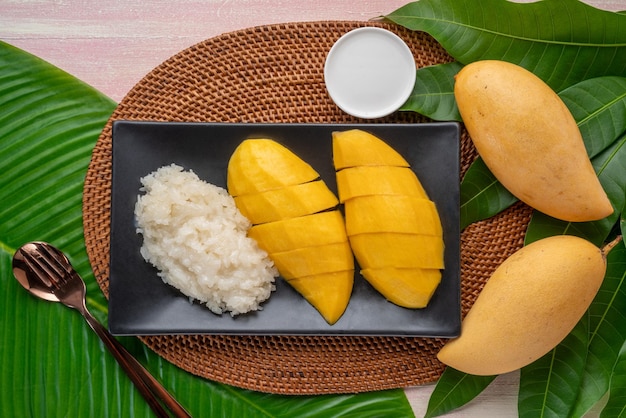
(149,387)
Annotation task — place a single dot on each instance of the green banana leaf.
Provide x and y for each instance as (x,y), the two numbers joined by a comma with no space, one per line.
(607,335)
(53,364)
(616,404)
(433,92)
(562,41)
(549,386)
(455,389)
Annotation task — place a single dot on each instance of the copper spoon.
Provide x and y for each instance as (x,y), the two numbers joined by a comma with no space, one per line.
(47,273)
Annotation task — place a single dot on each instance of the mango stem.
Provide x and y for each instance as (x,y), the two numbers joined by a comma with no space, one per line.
(609,246)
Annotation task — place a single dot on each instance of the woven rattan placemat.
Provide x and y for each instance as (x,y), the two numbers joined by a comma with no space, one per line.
(275,74)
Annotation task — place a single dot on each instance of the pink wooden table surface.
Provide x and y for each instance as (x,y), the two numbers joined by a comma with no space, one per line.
(112,44)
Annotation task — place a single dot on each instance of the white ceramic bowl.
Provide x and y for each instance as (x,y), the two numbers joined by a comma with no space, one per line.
(369,72)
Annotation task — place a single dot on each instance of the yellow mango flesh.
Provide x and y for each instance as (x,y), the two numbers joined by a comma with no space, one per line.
(413,287)
(394,229)
(391,213)
(392,249)
(288,202)
(294,233)
(326,289)
(529,305)
(309,261)
(529,140)
(371,180)
(254,165)
(355,148)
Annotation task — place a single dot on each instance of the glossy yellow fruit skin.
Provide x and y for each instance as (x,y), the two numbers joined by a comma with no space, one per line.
(296,221)
(529,140)
(394,229)
(528,306)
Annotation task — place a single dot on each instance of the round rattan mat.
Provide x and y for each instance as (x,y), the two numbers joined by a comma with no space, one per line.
(275,74)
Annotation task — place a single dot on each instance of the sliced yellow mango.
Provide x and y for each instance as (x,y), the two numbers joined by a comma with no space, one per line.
(357,148)
(391,213)
(305,231)
(409,288)
(392,249)
(309,261)
(288,202)
(393,227)
(329,293)
(371,180)
(290,210)
(258,165)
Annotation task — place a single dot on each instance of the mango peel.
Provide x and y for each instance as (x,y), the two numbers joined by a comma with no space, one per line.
(529,140)
(529,305)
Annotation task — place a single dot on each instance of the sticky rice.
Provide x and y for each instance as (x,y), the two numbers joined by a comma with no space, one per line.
(196,238)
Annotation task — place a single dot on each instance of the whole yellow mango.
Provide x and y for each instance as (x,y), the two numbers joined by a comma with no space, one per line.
(394,229)
(528,306)
(529,140)
(296,221)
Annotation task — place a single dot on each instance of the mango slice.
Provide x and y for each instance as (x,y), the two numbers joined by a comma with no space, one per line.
(371,180)
(253,166)
(288,207)
(394,228)
(388,213)
(413,287)
(356,148)
(530,303)
(277,204)
(529,140)
(331,290)
(293,233)
(309,261)
(392,249)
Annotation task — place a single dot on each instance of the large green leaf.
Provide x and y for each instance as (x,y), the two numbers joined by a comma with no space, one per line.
(607,334)
(549,385)
(53,364)
(562,41)
(433,92)
(455,389)
(616,404)
(599,108)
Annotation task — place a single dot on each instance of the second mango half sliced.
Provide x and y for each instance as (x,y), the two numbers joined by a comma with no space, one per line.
(394,229)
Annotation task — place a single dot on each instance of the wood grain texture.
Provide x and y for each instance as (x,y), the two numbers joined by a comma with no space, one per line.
(112,44)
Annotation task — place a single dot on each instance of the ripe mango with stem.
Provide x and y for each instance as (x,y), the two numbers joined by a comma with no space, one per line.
(529,305)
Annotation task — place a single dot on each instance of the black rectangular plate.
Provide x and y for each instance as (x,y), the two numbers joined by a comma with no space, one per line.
(141,304)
